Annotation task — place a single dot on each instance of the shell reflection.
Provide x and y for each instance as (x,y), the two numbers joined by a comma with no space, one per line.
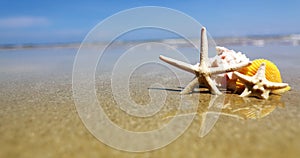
(251,108)
(233,106)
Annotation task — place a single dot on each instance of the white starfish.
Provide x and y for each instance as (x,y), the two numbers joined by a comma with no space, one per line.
(202,71)
(258,85)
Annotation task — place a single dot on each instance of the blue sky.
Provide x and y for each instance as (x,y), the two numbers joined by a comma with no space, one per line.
(70,20)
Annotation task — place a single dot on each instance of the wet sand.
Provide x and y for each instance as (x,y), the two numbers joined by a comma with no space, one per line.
(38,118)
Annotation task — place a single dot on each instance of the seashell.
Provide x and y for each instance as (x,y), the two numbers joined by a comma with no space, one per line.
(226,58)
(272,74)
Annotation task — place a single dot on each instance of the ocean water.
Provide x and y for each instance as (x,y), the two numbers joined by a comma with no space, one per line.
(57,62)
(36,62)
(60,60)
(38,117)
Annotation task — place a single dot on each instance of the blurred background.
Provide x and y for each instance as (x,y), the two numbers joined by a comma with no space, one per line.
(35,22)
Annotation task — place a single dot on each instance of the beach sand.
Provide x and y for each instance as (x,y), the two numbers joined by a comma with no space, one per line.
(38,118)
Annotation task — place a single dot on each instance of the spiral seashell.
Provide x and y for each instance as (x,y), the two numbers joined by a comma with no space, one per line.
(272,74)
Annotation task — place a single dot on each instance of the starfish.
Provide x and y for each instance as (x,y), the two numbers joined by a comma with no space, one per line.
(202,71)
(258,85)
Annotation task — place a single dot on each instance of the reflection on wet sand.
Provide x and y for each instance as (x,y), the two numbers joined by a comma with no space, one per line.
(251,108)
(233,106)
(242,107)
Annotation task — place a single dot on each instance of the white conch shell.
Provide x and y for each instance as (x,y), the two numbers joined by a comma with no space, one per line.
(226,58)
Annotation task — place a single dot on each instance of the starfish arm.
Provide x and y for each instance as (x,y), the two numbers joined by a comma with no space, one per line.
(281,90)
(211,86)
(260,74)
(219,70)
(243,78)
(179,64)
(189,88)
(265,94)
(245,93)
(203,48)
(275,85)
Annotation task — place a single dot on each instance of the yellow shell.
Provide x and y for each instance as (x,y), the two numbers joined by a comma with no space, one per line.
(272,74)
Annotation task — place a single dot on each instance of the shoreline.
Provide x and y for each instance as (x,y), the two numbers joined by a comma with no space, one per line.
(283,40)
